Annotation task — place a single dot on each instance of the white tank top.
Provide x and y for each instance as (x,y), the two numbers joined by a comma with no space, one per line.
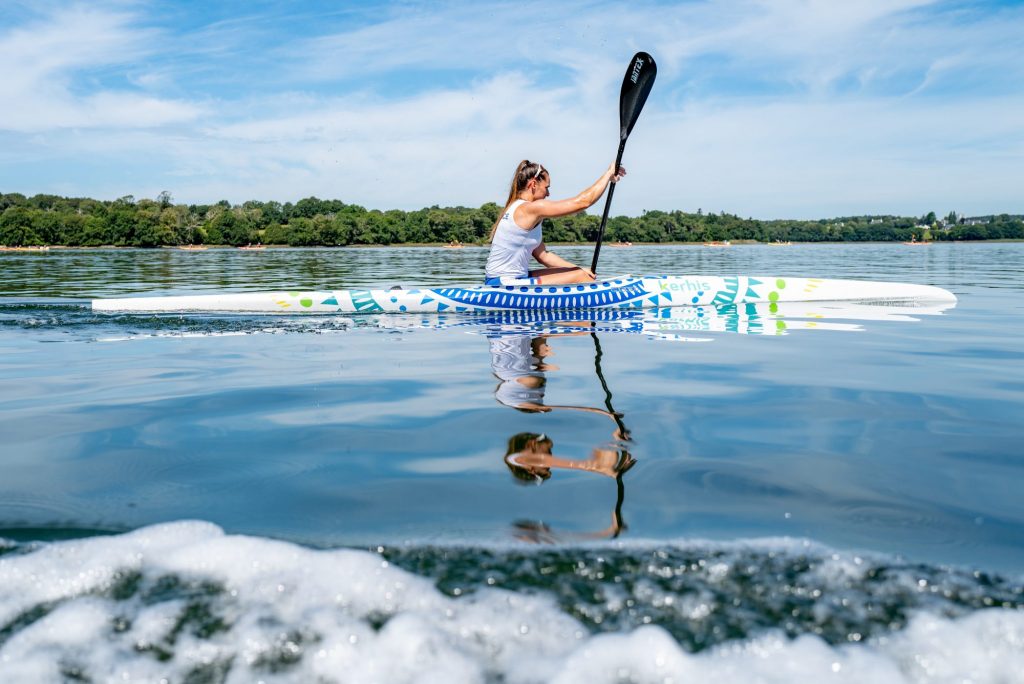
(512,246)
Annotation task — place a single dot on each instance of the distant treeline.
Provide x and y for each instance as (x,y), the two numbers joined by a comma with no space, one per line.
(53,220)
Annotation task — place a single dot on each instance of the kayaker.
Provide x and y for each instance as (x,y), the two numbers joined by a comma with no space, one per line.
(516,235)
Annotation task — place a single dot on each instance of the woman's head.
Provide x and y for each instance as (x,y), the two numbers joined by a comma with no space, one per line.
(526,173)
(517,457)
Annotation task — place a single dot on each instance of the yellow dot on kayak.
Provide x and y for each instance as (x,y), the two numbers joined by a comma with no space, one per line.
(773,296)
(306,302)
(781,284)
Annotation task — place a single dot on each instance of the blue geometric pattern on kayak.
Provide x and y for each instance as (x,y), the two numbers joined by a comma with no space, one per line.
(577,296)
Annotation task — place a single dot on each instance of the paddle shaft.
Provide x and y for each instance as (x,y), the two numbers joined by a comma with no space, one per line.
(607,208)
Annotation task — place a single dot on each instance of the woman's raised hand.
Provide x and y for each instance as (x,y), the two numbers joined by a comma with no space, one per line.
(615,177)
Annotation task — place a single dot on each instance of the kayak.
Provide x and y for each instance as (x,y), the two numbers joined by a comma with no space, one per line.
(621,292)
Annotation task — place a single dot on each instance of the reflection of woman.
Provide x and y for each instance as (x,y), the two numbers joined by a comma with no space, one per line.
(529,459)
(517,360)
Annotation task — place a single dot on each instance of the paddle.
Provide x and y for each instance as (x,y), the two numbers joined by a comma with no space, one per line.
(636,86)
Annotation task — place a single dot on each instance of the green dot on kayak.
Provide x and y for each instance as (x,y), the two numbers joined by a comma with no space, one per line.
(780,325)
(781,284)
(306,302)
(773,296)
(773,307)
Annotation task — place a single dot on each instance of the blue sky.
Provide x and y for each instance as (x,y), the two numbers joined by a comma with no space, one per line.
(770,109)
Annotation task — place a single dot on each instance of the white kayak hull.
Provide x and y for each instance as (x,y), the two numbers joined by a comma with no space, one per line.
(623,292)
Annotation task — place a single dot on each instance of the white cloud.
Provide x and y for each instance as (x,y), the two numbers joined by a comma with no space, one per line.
(40,62)
(828,109)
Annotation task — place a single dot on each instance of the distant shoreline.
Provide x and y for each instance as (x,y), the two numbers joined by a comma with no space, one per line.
(83,222)
(44,249)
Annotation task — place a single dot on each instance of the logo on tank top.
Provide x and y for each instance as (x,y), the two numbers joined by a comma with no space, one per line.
(636,69)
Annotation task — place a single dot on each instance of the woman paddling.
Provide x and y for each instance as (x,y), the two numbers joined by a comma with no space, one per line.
(517,233)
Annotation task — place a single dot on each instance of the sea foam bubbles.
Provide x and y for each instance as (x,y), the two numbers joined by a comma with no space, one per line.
(186,602)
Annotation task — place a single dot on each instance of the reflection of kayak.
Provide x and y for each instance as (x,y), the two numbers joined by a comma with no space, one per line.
(674,323)
(777,319)
(624,292)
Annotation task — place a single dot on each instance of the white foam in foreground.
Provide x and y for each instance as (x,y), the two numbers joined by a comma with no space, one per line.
(312,614)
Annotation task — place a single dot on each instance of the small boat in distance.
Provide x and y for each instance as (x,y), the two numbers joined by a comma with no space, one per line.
(717,243)
(192,247)
(779,243)
(29,248)
(257,246)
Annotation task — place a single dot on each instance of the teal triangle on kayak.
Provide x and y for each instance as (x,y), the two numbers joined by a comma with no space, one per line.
(364,301)
(330,301)
(426,300)
(460,309)
(667,295)
(727,295)
(441,306)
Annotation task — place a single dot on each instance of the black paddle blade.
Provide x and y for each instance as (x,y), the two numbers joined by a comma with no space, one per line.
(636,86)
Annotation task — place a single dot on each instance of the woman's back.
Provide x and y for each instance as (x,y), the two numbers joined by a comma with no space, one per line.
(512,246)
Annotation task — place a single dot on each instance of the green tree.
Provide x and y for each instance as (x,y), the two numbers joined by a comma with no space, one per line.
(302,233)
(16,227)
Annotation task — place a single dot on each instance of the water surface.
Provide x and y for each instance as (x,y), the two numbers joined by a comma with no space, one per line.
(714,473)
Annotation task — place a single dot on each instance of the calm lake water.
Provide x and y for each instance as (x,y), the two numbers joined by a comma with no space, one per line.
(745,494)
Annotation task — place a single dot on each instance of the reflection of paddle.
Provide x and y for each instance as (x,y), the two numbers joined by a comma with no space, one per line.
(617,417)
(626,461)
(527,462)
(636,86)
(617,522)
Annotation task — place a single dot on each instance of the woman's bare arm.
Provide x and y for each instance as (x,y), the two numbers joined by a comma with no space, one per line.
(530,213)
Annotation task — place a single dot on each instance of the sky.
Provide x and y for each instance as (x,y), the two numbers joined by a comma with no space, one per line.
(761,108)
